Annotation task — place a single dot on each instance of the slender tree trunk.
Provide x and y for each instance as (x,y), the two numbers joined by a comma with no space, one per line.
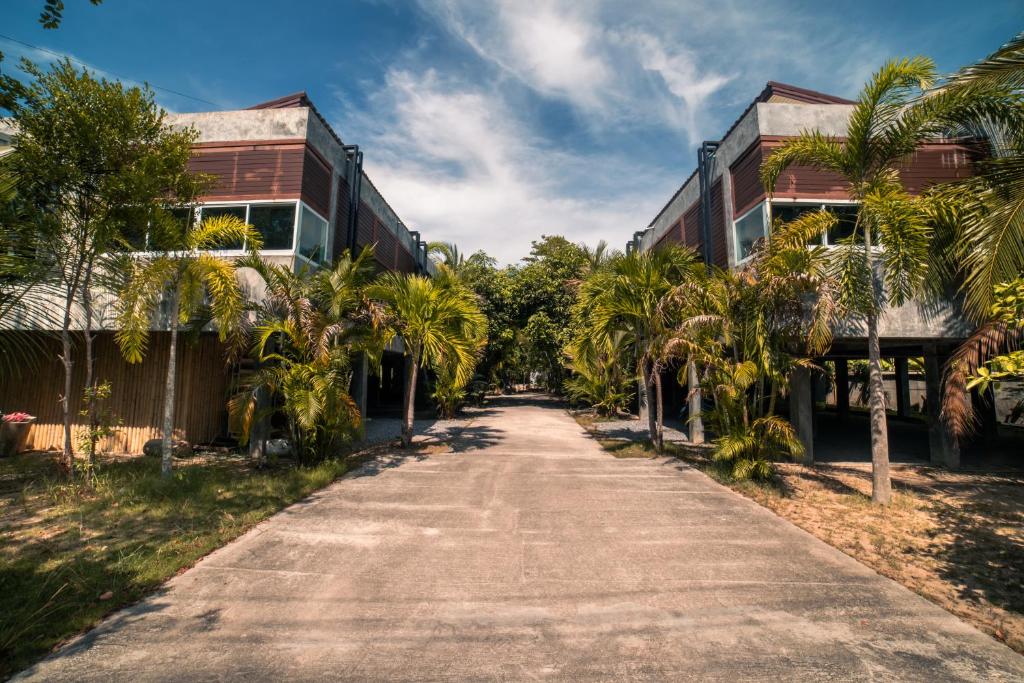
(68,456)
(409,413)
(652,417)
(659,440)
(167,449)
(881,486)
(90,368)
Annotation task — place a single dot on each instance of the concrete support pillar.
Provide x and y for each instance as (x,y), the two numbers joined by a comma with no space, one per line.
(801,410)
(696,422)
(902,386)
(259,430)
(984,405)
(360,379)
(842,388)
(942,445)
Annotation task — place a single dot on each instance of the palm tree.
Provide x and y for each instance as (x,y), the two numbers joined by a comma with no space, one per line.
(440,325)
(749,330)
(886,258)
(626,297)
(980,248)
(187,276)
(308,327)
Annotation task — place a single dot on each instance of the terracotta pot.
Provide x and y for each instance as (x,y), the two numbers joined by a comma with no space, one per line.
(13,436)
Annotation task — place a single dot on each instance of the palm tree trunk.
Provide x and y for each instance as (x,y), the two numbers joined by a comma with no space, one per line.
(659,441)
(167,449)
(652,417)
(881,486)
(409,413)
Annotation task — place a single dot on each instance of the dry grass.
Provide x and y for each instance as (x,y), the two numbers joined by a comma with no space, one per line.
(956,538)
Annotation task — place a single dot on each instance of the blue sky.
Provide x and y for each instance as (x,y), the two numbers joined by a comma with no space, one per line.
(491,123)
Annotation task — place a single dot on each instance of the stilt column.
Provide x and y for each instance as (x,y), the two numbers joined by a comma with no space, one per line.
(942,445)
(801,410)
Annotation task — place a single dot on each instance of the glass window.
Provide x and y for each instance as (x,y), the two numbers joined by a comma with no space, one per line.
(847,221)
(790,212)
(275,222)
(312,236)
(748,230)
(213,211)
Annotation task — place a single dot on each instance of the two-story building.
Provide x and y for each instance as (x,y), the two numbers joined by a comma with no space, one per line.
(280,167)
(721,210)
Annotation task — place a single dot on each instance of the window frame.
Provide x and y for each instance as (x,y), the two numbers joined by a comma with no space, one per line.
(761,206)
(819,203)
(297,249)
(247,204)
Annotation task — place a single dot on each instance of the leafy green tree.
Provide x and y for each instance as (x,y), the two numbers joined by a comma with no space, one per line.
(440,324)
(627,297)
(749,330)
(309,325)
(52,13)
(980,245)
(196,284)
(92,161)
(886,259)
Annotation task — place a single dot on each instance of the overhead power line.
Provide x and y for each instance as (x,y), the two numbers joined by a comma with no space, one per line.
(96,68)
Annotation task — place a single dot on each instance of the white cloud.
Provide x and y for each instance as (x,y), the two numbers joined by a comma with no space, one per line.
(460,167)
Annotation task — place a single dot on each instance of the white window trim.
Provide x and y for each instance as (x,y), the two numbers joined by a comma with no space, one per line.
(820,203)
(295,236)
(765,224)
(297,203)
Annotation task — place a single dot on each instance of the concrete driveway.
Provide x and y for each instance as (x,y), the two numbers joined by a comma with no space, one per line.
(530,553)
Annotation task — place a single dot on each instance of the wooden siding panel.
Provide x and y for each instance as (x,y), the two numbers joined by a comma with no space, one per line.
(137,392)
(254,171)
(674,235)
(316,183)
(406,263)
(691,227)
(719,243)
(341,219)
(937,163)
(747,189)
(365,225)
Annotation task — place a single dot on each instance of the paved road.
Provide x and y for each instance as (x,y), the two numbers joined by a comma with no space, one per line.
(529,553)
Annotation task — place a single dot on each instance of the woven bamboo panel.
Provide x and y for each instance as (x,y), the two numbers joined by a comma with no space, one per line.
(137,392)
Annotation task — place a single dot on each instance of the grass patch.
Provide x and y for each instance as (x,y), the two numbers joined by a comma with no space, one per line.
(69,554)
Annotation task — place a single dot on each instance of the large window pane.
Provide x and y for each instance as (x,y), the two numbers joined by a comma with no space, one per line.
(275,222)
(749,230)
(236,211)
(847,217)
(312,236)
(790,212)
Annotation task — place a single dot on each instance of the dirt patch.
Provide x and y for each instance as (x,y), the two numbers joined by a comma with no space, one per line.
(956,538)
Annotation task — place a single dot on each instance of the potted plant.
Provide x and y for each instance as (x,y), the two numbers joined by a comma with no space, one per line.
(14,433)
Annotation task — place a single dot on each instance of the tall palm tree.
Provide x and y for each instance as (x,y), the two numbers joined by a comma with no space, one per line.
(886,258)
(440,324)
(194,282)
(981,247)
(308,326)
(626,297)
(749,329)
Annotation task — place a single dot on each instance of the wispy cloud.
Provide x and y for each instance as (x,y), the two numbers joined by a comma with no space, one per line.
(463,168)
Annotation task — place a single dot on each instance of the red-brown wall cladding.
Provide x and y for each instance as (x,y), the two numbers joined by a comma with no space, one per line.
(674,235)
(719,246)
(251,171)
(933,163)
(341,219)
(316,183)
(691,227)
